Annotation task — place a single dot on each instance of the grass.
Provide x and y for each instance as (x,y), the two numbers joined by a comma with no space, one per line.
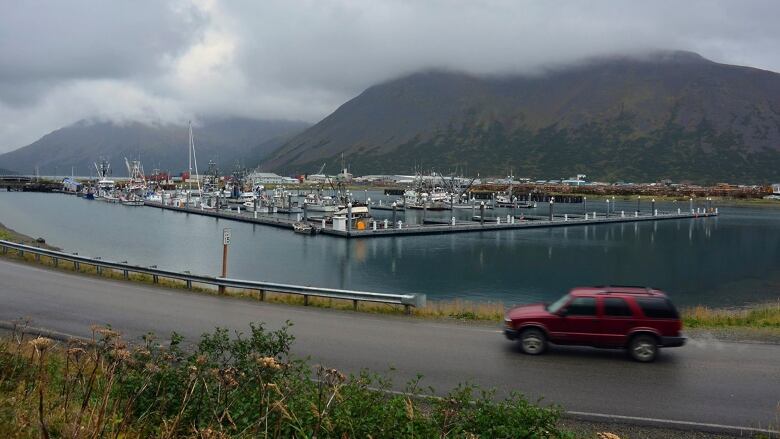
(231,386)
(764,316)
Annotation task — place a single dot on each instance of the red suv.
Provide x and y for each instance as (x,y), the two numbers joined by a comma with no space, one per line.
(639,319)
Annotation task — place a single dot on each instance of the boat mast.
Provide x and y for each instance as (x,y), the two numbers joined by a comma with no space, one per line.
(189,155)
(193,158)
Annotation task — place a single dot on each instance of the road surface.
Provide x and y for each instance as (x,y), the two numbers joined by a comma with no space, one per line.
(705,382)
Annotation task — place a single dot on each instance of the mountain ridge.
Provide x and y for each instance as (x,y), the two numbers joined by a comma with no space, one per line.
(669,115)
(158,145)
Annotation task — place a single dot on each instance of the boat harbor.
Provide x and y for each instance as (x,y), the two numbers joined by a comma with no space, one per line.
(427,205)
(351,227)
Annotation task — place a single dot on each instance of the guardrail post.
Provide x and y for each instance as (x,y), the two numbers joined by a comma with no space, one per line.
(408,310)
(305,300)
(126,273)
(21,253)
(155,278)
(56,261)
(37,257)
(5,250)
(355,305)
(262,295)
(189,284)
(98,270)
(76,266)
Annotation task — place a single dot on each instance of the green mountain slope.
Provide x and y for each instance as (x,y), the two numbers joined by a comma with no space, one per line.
(668,115)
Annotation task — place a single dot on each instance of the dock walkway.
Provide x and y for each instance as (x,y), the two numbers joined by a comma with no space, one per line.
(441,226)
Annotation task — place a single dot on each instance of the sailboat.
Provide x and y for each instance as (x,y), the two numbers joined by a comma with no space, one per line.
(190,197)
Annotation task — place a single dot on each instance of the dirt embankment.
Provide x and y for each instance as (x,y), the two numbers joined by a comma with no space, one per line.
(7,234)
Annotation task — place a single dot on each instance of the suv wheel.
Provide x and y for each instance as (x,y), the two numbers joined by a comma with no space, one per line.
(643,348)
(533,341)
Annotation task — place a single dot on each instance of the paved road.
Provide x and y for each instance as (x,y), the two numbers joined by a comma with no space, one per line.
(703,382)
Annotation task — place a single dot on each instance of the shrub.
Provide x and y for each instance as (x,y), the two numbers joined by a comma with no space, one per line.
(231,385)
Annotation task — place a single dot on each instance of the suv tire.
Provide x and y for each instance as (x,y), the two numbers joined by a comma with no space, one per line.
(643,348)
(533,341)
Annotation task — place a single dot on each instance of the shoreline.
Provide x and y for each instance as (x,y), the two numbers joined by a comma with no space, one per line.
(752,323)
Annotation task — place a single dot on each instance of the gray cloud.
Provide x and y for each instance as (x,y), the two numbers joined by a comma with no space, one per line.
(156,60)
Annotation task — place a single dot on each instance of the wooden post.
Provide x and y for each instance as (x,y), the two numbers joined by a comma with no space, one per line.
(225,243)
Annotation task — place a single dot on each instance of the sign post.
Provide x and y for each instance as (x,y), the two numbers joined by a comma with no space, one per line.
(225,244)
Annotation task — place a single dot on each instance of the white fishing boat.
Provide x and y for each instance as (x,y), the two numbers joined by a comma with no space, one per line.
(324,204)
(303,228)
(135,203)
(105,186)
(154,197)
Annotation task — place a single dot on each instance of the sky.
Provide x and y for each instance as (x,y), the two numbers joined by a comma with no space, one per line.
(168,61)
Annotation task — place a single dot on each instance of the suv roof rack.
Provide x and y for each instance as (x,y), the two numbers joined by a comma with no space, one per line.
(609,289)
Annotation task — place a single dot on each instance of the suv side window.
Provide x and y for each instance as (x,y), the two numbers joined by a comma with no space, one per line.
(616,307)
(582,306)
(657,308)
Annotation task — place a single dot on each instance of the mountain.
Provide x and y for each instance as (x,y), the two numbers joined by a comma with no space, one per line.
(162,146)
(665,115)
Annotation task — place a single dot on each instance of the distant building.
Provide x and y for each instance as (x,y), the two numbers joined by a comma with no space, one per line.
(270,178)
(776,189)
(579,180)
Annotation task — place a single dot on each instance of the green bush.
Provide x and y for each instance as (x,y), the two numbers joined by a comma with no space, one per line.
(233,385)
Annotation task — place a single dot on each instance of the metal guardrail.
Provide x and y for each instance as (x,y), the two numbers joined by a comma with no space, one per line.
(407,300)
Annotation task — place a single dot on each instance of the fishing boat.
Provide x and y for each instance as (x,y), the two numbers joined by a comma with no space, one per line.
(506,201)
(133,202)
(436,199)
(303,228)
(316,203)
(105,186)
(137,184)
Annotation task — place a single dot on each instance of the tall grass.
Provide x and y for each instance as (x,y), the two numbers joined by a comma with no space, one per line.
(230,386)
(758,316)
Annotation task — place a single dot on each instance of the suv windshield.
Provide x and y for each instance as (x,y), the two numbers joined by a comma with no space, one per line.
(553,308)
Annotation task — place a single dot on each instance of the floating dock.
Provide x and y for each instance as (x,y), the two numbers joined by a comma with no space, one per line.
(431,227)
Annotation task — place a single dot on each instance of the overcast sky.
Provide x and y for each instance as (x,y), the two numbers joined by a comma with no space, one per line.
(161,60)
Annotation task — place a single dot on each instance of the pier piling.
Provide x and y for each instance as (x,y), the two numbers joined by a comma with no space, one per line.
(552,201)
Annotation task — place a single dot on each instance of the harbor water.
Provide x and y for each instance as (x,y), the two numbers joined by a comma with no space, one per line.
(730,260)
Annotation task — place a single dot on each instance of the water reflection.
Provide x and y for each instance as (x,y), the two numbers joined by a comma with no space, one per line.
(728,260)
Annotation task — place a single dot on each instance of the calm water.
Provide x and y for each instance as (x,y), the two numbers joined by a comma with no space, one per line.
(730,260)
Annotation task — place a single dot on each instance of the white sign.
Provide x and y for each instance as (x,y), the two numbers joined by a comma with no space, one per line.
(225,236)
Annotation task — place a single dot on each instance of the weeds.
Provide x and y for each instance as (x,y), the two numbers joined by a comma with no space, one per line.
(230,386)
(759,316)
